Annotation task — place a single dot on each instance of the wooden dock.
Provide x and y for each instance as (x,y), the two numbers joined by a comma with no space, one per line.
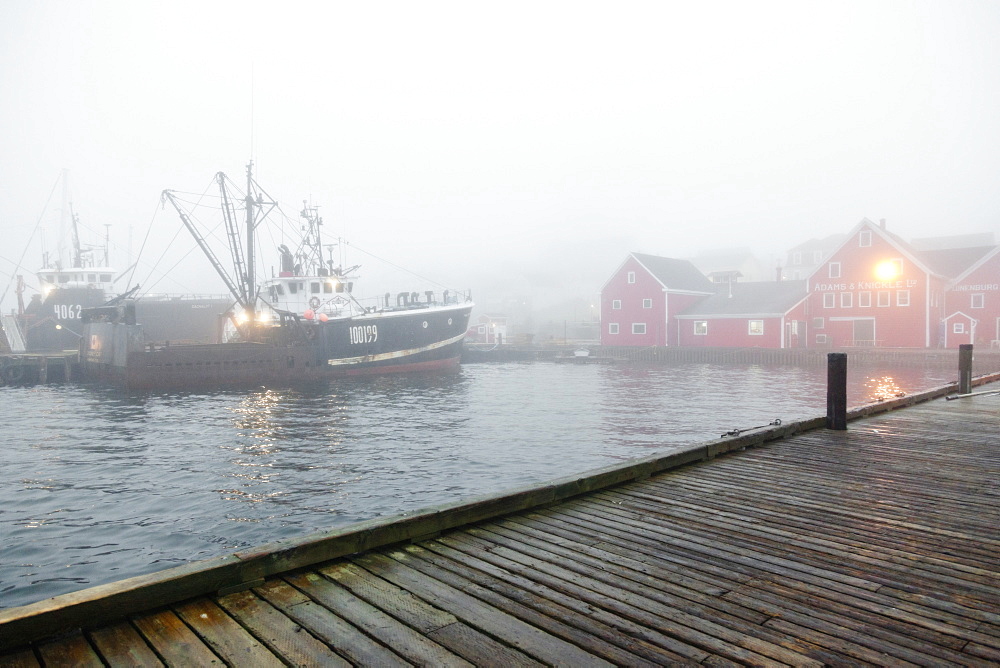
(32,368)
(878,545)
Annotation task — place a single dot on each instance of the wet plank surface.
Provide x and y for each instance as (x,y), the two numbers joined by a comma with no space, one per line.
(874,546)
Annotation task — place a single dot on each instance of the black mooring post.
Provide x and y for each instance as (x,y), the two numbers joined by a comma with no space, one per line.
(836,391)
(965,368)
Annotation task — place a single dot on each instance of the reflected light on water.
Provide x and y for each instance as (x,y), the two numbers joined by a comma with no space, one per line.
(882,388)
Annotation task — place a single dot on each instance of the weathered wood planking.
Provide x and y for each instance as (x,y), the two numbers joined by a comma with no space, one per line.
(874,546)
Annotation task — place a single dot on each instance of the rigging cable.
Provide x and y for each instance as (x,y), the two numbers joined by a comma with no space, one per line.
(31,236)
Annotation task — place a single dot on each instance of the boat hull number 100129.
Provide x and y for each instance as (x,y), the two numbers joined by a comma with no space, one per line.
(364,334)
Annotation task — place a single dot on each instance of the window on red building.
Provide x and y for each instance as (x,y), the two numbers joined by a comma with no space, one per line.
(818,323)
(834,270)
(631,277)
(903,298)
(864,299)
(755,328)
(647,303)
(821,338)
(883,297)
(638,328)
(978,301)
(958,328)
(616,304)
(865,239)
(829,300)
(846,300)
(612,328)
(700,327)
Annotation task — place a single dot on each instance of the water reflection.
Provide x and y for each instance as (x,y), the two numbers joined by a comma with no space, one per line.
(881,388)
(138,483)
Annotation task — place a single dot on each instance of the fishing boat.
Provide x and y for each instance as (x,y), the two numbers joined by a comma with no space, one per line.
(82,277)
(302,323)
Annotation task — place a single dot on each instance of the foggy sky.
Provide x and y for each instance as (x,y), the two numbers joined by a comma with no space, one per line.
(475,143)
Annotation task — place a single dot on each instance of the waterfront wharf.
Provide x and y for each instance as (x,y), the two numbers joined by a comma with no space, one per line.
(785,545)
(32,368)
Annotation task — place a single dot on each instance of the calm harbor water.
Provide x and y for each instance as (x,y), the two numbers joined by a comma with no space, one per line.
(98,486)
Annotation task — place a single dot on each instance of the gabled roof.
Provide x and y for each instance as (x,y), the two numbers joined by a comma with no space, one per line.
(763,299)
(954,241)
(986,257)
(951,262)
(675,275)
(900,244)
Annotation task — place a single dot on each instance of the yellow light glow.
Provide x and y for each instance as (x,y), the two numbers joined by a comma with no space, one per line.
(886,271)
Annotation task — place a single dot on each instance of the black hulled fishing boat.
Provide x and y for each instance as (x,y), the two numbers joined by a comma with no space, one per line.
(303,323)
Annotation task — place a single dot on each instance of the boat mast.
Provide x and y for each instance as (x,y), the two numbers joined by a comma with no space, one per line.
(251,282)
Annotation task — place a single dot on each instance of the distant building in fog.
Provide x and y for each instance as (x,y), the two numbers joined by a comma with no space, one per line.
(802,260)
(869,288)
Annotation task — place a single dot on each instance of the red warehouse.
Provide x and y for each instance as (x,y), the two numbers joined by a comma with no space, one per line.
(641,300)
(748,315)
(972,304)
(875,291)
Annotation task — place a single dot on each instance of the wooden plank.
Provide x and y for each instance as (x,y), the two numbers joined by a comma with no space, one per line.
(558,624)
(633,638)
(72,652)
(636,623)
(224,635)
(405,641)
(283,636)
(24,658)
(723,634)
(524,637)
(440,626)
(892,566)
(121,645)
(174,641)
(348,641)
(646,578)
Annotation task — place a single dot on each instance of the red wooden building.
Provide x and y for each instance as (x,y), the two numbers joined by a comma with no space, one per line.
(641,300)
(747,315)
(877,290)
(874,289)
(972,304)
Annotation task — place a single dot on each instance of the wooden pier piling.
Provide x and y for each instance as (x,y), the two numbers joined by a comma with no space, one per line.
(836,391)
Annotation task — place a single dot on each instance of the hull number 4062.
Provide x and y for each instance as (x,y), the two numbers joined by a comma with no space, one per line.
(364,334)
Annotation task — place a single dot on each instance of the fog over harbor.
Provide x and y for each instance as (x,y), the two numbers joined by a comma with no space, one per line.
(510,148)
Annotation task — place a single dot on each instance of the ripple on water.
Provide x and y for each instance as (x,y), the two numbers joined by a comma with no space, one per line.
(100,486)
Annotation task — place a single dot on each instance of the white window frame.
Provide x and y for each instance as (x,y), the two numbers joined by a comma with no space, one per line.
(701,327)
(978,301)
(647,303)
(819,323)
(616,304)
(821,338)
(888,298)
(612,328)
(865,299)
(958,328)
(829,300)
(631,277)
(846,300)
(638,328)
(902,297)
(834,270)
(865,239)
(759,329)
